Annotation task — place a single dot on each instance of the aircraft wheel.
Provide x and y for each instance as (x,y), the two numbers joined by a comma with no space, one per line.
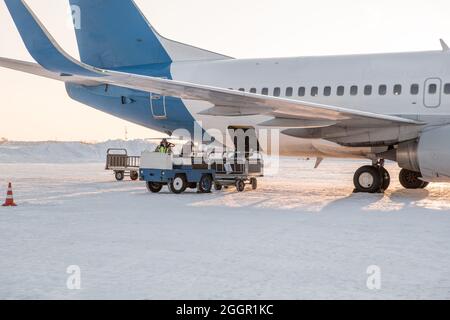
(411,180)
(119,175)
(154,187)
(386,179)
(367,179)
(178,184)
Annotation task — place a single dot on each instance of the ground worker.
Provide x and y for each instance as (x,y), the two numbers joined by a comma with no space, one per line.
(161,148)
(165,146)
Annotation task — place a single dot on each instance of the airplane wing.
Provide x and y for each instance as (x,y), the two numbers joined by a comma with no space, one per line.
(236,103)
(286,112)
(38,70)
(289,113)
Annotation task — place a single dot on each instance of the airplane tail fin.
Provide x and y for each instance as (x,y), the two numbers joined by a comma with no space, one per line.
(115,33)
(41,45)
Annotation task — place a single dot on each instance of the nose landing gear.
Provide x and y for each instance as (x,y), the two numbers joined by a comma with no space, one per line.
(372,179)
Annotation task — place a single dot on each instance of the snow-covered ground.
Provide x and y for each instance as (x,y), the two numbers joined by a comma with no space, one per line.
(302,234)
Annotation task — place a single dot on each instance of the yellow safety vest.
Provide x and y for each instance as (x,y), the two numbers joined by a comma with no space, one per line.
(162,149)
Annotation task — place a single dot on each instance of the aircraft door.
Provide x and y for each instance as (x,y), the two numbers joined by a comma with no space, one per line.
(158,106)
(432,93)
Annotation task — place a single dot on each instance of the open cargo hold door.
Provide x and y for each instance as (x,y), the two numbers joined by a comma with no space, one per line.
(246,143)
(245,140)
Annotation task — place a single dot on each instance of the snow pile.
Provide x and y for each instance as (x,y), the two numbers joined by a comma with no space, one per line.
(66,152)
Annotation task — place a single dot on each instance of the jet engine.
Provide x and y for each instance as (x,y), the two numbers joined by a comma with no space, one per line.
(429,154)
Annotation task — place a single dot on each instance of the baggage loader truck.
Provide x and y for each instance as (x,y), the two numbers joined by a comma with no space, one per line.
(180,173)
(160,169)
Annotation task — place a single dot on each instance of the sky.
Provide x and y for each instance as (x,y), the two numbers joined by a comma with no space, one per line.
(34,108)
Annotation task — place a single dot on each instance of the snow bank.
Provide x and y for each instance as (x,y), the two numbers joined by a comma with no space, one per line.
(65,152)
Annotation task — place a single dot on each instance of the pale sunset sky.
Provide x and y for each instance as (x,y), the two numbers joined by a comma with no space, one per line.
(34,108)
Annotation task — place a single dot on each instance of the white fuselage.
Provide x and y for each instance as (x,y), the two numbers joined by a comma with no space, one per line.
(411,85)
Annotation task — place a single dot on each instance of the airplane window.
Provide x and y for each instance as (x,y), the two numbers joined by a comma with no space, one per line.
(340,91)
(447,88)
(265,91)
(253,90)
(354,90)
(242,89)
(301,91)
(327,91)
(368,90)
(415,89)
(397,89)
(277,92)
(432,88)
(382,89)
(314,91)
(289,92)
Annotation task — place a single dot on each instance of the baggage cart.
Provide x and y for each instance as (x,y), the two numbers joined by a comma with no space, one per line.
(122,164)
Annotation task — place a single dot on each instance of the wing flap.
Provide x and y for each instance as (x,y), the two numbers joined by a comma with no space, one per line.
(227,111)
(297,123)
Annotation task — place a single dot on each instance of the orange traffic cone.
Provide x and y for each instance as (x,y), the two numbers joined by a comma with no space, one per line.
(9,198)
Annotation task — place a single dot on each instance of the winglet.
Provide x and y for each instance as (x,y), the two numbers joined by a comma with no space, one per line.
(41,45)
(444,45)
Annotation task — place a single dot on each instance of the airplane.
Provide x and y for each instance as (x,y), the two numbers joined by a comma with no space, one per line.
(377,107)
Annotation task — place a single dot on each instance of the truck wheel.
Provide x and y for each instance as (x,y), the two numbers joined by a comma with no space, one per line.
(119,175)
(240,185)
(134,175)
(254,183)
(178,184)
(205,184)
(217,186)
(154,187)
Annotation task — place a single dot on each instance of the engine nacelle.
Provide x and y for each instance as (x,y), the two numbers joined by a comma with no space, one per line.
(429,155)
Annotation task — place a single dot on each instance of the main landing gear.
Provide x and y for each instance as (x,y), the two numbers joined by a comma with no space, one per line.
(376,179)
(411,180)
(372,179)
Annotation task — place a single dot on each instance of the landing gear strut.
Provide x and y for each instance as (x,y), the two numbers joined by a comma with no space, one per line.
(372,179)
